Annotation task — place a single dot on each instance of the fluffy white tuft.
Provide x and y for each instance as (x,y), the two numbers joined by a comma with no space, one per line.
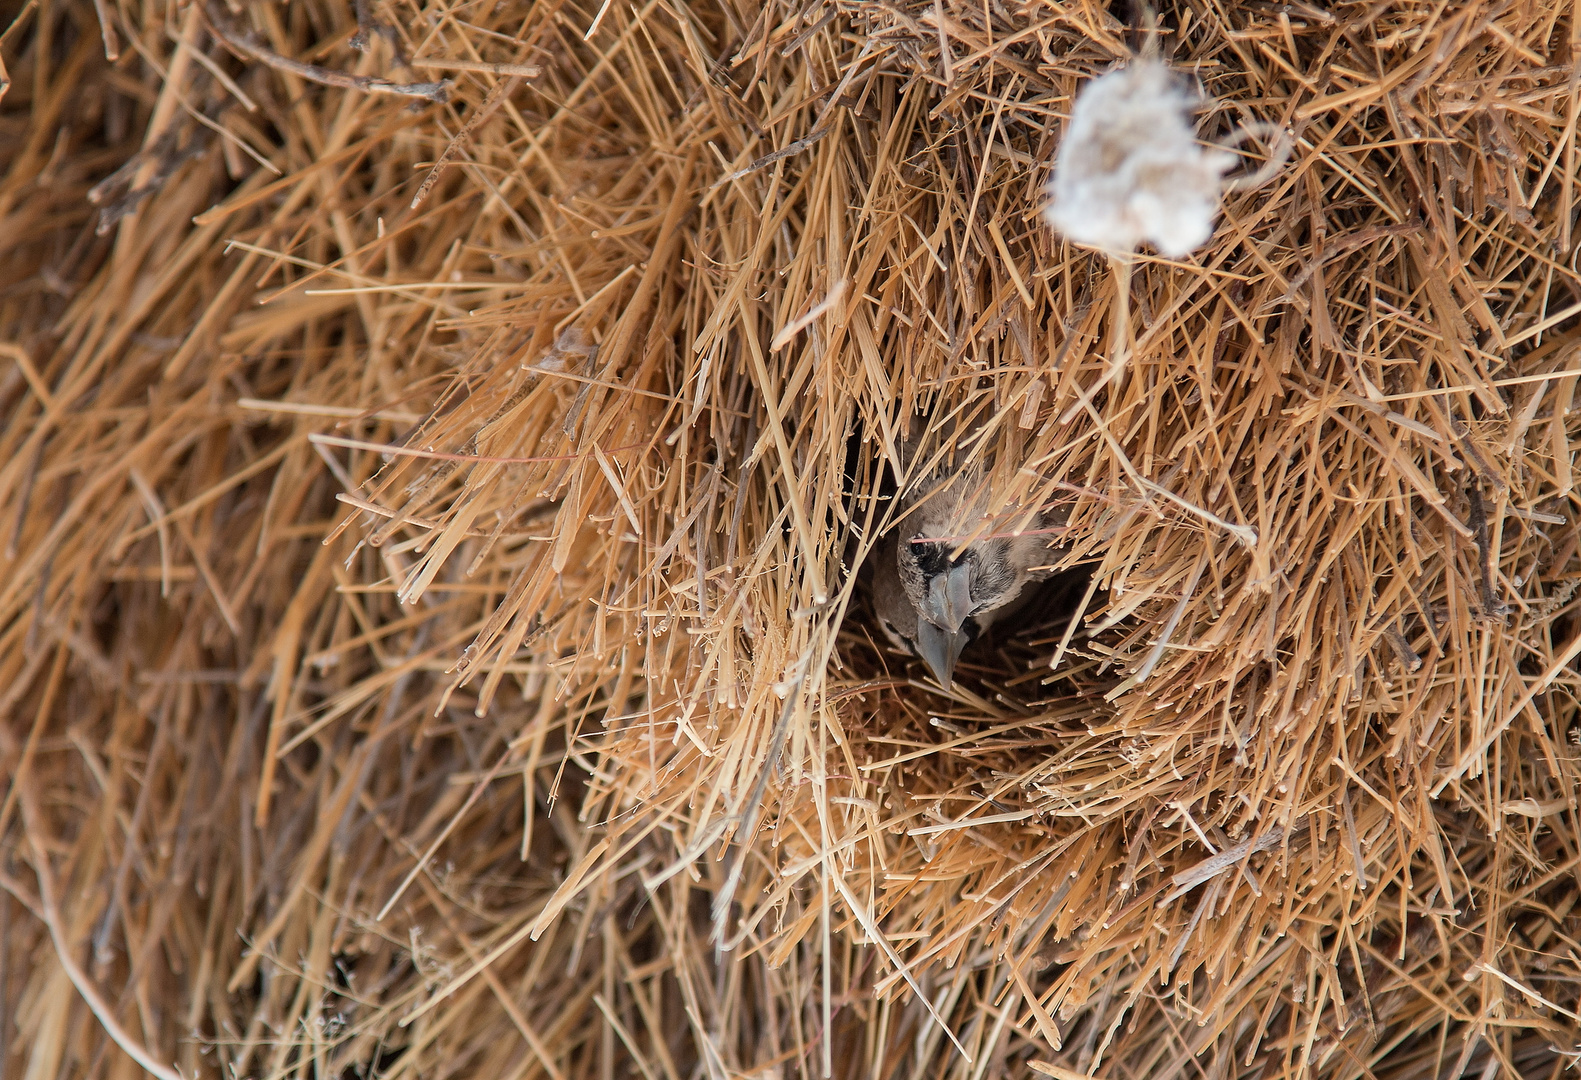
(1130,169)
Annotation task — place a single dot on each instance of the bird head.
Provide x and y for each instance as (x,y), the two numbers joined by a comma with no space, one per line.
(983,578)
(938,646)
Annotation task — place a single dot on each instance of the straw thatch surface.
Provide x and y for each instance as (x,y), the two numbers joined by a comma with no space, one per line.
(429,638)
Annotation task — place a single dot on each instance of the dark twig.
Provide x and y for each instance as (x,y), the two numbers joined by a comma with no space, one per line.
(1492,606)
(100,192)
(1408,656)
(169,161)
(362,40)
(499,93)
(768,159)
(526,71)
(437,92)
(367,25)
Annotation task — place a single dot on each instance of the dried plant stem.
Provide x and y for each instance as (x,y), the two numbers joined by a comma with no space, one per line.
(437,92)
(595,693)
(483,67)
(112,43)
(1122,337)
(498,93)
(47,912)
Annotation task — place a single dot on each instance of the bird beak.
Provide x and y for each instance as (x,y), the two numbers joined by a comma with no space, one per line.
(949,599)
(940,649)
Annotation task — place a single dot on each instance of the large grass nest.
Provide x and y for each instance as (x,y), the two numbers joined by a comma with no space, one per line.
(442,447)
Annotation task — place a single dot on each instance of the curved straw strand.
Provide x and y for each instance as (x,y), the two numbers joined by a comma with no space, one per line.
(1283,145)
(50,916)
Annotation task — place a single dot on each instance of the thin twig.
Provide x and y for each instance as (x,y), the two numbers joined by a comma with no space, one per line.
(498,93)
(1492,606)
(437,92)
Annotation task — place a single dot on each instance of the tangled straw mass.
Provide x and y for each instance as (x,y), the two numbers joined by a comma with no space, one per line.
(443,447)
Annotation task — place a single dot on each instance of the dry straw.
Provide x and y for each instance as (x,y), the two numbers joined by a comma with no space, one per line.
(441,441)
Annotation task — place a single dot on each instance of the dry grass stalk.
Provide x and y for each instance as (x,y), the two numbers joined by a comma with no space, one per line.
(431,643)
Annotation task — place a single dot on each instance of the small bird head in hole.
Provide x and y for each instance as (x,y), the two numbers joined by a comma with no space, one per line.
(934,607)
(905,629)
(988,574)
(955,562)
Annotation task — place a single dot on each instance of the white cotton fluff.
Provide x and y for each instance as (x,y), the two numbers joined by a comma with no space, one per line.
(1130,169)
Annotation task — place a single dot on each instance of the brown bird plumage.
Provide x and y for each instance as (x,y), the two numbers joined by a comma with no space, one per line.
(934,605)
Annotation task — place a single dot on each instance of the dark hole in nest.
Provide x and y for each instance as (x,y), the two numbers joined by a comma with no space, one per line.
(1135,15)
(1011,656)
(382,1061)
